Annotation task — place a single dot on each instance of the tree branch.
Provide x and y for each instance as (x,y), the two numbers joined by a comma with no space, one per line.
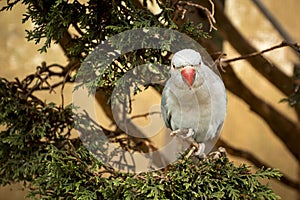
(294,46)
(145,115)
(209,14)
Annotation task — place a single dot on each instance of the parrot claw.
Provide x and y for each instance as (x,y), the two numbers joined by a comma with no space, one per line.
(200,150)
(219,153)
(176,132)
(197,149)
(190,133)
(183,133)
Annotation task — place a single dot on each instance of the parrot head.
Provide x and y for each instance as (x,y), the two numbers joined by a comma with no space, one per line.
(185,65)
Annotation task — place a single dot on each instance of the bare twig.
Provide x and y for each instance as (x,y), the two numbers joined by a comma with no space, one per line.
(41,77)
(219,61)
(145,115)
(67,78)
(212,8)
(208,13)
(294,46)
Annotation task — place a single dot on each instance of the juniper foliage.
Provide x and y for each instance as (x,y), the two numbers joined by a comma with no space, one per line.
(35,144)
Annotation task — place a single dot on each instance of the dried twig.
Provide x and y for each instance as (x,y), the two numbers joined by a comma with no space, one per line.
(294,46)
(145,115)
(208,13)
(67,78)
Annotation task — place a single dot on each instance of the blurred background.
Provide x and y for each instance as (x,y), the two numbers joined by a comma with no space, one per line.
(242,129)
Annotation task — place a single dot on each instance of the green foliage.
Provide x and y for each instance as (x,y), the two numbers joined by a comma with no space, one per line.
(68,173)
(35,149)
(95,21)
(195,31)
(35,144)
(29,127)
(209,179)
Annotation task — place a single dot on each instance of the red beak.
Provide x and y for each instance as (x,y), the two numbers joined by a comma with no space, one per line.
(188,74)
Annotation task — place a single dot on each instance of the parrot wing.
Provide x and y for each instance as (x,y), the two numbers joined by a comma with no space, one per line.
(166,114)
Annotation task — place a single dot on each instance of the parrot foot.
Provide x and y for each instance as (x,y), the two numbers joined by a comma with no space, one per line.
(200,150)
(183,133)
(190,133)
(176,132)
(221,152)
(186,134)
(197,149)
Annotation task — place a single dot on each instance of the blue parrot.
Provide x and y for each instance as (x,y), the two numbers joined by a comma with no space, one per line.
(194,100)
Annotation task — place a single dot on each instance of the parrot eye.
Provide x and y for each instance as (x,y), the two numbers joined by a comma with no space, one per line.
(173,66)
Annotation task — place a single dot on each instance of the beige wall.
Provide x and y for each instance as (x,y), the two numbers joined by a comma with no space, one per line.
(242,128)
